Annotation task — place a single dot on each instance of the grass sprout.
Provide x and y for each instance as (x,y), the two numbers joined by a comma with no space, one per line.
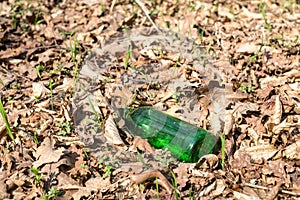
(252,58)
(157,188)
(52,193)
(222,137)
(174,182)
(262,10)
(128,57)
(39,69)
(38,176)
(7,125)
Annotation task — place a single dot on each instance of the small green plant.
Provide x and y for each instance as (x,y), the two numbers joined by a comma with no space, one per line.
(176,96)
(38,176)
(16,11)
(292,4)
(83,166)
(7,125)
(58,71)
(84,150)
(157,188)
(222,137)
(10,98)
(107,171)
(25,27)
(128,57)
(16,85)
(176,63)
(74,49)
(262,10)
(65,128)
(253,57)
(244,88)
(52,193)
(145,167)
(192,192)
(66,33)
(174,182)
(251,88)
(247,89)
(37,19)
(200,34)
(39,69)
(35,138)
(96,115)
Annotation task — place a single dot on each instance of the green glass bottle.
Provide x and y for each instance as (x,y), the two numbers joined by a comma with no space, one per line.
(187,142)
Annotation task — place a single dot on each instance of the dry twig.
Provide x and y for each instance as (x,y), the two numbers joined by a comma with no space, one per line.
(146,11)
(266,188)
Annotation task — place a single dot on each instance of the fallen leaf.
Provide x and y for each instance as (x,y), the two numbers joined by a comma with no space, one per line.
(276,118)
(66,86)
(97,183)
(141,144)
(140,178)
(242,196)
(292,151)
(257,152)
(39,90)
(209,160)
(111,133)
(248,48)
(46,153)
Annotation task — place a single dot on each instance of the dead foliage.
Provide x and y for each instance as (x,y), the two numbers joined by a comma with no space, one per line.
(254,44)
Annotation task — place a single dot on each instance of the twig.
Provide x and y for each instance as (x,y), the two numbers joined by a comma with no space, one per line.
(112,6)
(146,11)
(266,188)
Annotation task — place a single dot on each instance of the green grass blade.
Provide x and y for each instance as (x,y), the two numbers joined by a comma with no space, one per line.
(4,116)
(222,137)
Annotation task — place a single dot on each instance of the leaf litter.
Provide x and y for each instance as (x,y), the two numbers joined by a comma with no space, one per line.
(262,137)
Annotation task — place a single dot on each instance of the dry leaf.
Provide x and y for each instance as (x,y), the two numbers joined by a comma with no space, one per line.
(83,192)
(166,63)
(46,153)
(39,90)
(211,160)
(242,196)
(97,183)
(140,178)
(66,86)
(292,151)
(141,144)
(182,178)
(285,126)
(247,48)
(219,188)
(111,133)
(276,118)
(257,152)
(207,189)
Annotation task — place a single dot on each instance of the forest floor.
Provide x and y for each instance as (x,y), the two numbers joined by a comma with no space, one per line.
(255,45)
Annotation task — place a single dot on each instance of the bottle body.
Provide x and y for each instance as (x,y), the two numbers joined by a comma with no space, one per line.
(186,141)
